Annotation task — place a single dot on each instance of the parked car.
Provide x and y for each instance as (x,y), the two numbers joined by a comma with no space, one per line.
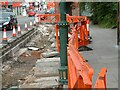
(31,13)
(6,10)
(8,20)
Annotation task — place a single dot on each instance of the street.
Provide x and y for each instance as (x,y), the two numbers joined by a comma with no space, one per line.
(71,45)
(21,21)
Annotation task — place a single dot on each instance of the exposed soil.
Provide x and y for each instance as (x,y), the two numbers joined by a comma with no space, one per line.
(19,70)
(22,67)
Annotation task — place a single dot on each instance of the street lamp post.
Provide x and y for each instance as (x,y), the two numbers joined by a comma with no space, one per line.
(63,30)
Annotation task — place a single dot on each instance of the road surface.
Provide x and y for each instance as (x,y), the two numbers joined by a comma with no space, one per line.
(21,21)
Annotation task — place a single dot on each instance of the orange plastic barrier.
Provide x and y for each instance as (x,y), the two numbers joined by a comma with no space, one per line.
(73,19)
(57,38)
(79,72)
(55,18)
(84,34)
(101,80)
(79,34)
(74,37)
(49,18)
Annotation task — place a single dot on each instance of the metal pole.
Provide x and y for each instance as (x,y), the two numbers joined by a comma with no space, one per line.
(118,29)
(63,30)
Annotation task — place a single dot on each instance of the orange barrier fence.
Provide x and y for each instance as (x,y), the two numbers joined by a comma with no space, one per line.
(57,38)
(49,18)
(79,72)
(81,36)
(101,80)
(74,37)
(55,18)
(73,19)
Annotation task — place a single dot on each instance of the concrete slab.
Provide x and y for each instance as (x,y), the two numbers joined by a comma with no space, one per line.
(43,82)
(45,74)
(47,67)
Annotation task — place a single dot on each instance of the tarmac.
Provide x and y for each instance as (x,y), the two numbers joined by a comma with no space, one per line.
(104,54)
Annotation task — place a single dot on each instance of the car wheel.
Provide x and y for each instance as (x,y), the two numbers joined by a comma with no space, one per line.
(16,26)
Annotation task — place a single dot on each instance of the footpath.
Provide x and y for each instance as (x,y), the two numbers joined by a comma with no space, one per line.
(104,54)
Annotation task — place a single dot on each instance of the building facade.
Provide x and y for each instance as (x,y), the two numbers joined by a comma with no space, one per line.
(73,8)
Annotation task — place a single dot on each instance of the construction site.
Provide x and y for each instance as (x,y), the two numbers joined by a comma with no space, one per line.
(62,50)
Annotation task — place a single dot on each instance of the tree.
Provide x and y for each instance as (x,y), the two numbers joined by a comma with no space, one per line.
(103,13)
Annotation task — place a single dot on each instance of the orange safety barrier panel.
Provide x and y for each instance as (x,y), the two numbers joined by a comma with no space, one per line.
(57,38)
(68,19)
(101,80)
(75,35)
(74,19)
(79,72)
(74,38)
(49,18)
(55,18)
(80,36)
(83,35)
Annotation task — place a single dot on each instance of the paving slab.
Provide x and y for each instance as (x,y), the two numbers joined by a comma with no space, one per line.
(47,67)
(43,82)
(45,74)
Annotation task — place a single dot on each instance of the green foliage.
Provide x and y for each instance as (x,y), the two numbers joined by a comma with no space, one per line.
(103,13)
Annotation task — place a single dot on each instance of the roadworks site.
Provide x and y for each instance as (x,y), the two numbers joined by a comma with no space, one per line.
(21,71)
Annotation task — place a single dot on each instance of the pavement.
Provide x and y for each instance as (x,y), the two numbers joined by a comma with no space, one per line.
(104,54)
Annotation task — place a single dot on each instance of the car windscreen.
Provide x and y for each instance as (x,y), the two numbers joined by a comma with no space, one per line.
(5,15)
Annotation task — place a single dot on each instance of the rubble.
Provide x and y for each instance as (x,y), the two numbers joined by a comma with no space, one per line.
(45,67)
(36,54)
(50,54)
(30,44)
(45,72)
(29,79)
(6,68)
(52,40)
(51,35)
(33,48)
(20,52)
(53,45)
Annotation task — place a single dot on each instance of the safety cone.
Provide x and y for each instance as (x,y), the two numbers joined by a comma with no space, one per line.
(4,39)
(34,23)
(14,32)
(30,23)
(26,26)
(88,30)
(19,29)
(87,24)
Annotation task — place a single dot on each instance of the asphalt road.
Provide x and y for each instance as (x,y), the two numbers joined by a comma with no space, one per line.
(21,21)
